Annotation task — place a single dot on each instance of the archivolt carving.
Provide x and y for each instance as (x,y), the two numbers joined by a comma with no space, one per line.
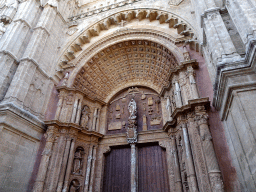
(183,28)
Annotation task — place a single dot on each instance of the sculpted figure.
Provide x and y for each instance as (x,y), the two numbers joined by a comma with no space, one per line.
(132,107)
(77,165)
(85,117)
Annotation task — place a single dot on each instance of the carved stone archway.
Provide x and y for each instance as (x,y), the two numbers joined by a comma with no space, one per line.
(75,48)
(159,38)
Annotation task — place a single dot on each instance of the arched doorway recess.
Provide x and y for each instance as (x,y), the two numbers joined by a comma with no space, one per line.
(130,64)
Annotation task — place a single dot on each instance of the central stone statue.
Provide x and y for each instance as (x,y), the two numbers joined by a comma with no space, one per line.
(132,122)
(132,107)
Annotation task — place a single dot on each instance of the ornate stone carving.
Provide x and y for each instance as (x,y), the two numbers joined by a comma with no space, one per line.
(119,63)
(132,122)
(132,107)
(85,117)
(78,161)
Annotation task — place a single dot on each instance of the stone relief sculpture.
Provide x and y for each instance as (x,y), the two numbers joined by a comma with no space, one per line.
(78,158)
(85,117)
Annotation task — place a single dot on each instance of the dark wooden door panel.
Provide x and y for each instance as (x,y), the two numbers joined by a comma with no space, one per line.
(117,172)
(152,169)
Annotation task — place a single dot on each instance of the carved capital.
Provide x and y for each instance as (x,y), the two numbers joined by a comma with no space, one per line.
(202,119)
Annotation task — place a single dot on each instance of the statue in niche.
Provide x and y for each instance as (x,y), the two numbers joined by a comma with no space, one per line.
(85,116)
(74,186)
(77,165)
(132,107)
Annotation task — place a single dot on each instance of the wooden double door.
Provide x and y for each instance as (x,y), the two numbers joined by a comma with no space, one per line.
(152,169)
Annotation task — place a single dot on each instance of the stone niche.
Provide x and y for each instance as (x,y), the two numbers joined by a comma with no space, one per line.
(148,107)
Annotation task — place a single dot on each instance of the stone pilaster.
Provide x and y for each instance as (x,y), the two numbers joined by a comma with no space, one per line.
(218,38)
(92,176)
(210,157)
(50,136)
(189,160)
(55,171)
(69,165)
(88,169)
(198,154)
(64,164)
(178,183)
(170,162)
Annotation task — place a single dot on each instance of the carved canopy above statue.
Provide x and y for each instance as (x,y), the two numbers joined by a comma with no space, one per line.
(127,63)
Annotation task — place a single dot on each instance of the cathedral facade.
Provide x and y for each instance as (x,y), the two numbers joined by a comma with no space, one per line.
(127,95)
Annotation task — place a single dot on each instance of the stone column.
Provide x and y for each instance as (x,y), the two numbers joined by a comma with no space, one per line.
(64,165)
(178,95)
(79,112)
(133,168)
(88,169)
(74,112)
(193,87)
(249,13)
(99,170)
(178,183)
(57,163)
(29,63)
(95,117)
(69,167)
(170,163)
(189,161)
(13,42)
(169,108)
(40,180)
(218,38)
(92,176)
(198,154)
(210,157)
